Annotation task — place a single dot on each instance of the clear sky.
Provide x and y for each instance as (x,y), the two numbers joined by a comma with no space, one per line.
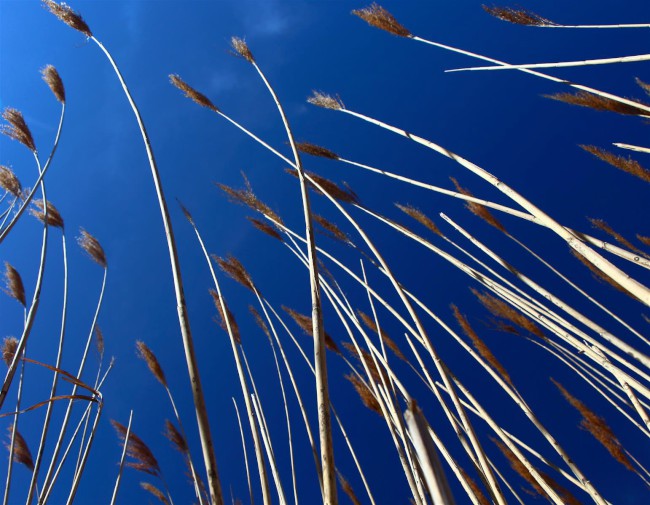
(100,180)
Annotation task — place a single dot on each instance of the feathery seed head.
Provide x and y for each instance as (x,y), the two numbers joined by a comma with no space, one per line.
(241,48)
(53,215)
(152,362)
(175,437)
(266,228)
(643,85)
(365,394)
(144,460)
(370,323)
(628,165)
(305,323)
(377,16)
(597,102)
(518,16)
(9,346)
(420,217)
(191,93)
(65,13)
(326,101)
(14,283)
(233,267)
(9,181)
(92,246)
(502,310)
(331,230)
(228,316)
(314,150)
(53,80)
(259,321)
(185,212)
(248,198)
(17,128)
(151,489)
(99,340)
(22,453)
(479,210)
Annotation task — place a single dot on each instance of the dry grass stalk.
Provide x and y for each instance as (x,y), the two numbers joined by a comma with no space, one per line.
(22,453)
(241,48)
(99,340)
(315,150)
(175,437)
(597,102)
(9,346)
(150,488)
(144,460)
(367,320)
(347,489)
(192,94)
(9,182)
(601,276)
(365,394)
(480,346)
(377,16)
(92,246)
(233,267)
(53,80)
(265,228)
(14,283)
(628,165)
(598,428)
(518,16)
(68,16)
(17,128)
(603,226)
(643,85)
(305,324)
(365,358)
(478,492)
(248,198)
(326,101)
(259,321)
(331,230)
(505,311)
(152,362)
(52,217)
(229,315)
(478,209)
(420,217)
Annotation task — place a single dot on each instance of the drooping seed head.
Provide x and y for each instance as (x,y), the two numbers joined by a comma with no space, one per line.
(643,85)
(152,362)
(364,358)
(175,437)
(259,321)
(99,340)
(234,268)
(15,287)
(53,80)
(153,490)
(186,212)
(387,340)
(241,48)
(366,395)
(92,246)
(53,215)
(9,182)
(22,453)
(331,230)
(603,226)
(65,13)
(9,347)
(420,217)
(597,102)
(479,210)
(17,128)
(628,165)
(191,93)
(228,316)
(144,460)
(347,489)
(375,15)
(326,101)
(248,198)
(502,310)
(305,323)
(518,16)
(314,150)
(266,228)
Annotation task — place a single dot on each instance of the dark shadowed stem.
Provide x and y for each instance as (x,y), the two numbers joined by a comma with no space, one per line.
(322,388)
(203,422)
(14,428)
(122,459)
(243,444)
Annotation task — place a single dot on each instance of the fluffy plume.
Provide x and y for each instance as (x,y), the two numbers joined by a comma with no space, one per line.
(370,323)
(248,198)
(480,346)
(347,489)
(603,226)
(377,16)
(259,321)
(327,101)
(598,428)
(643,85)
(314,150)
(151,489)
(68,16)
(265,228)
(53,215)
(152,362)
(518,16)
(628,165)
(364,357)
(222,317)
(329,187)
(505,311)
(191,93)
(22,453)
(478,209)
(14,283)
(174,436)
(420,217)
(233,267)
(478,493)
(53,80)
(596,102)
(331,230)
(241,48)
(99,340)
(643,240)
(305,324)
(143,458)
(365,394)
(91,245)
(9,181)
(9,346)
(17,128)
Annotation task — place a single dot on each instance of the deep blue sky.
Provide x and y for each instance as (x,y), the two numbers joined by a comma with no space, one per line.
(100,180)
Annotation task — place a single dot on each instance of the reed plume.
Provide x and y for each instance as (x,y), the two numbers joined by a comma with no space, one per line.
(265,228)
(375,15)
(248,198)
(9,182)
(68,16)
(53,80)
(234,327)
(305,324)
(315,150)
(22,453)
(240,48)
(17,128)
(143,458)
(176,438)
(518,16)
(367,320)
(478,209)
(9,346)
(153,490)
(347,489)
(14,283)
(364,358)
(628,165)
(192,94)
(52,217)
(92,246)
(152,362)
(502,310)
(643,240)
(234,268)
(365,394)
(603,226)
(643,85)
(326,101)
(99,340)
(331,230)
(600,103)
(420,217)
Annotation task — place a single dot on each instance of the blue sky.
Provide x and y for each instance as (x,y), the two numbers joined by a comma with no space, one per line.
(100,180)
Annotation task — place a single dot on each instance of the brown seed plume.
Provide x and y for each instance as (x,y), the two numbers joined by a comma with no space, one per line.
(518,16)
(259,321)
(92,246)
(22,453)
(597,102)
(53,80)
(628,165)
(500,309)
(314,150)
(305,324)
(420,217)
(478,209)
(329,187)
(150,488)
(174,436)
(601,276)
(9,346)
(248,198)
(603,226)
(326,101)
(144,460)
(643,85)
(480,346)
(17,128)
(233,267)
(14,283)
(364,357)
(68,16)
(347,489)
(53,215)
(597,427)
(331,230)
(265,228)
(99,340)
(152,362)
(375,15)
(370,323)
(191,93)
(478,492)
(9,182)
(241,48)
(365,394)
(234,327)
(643,240)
